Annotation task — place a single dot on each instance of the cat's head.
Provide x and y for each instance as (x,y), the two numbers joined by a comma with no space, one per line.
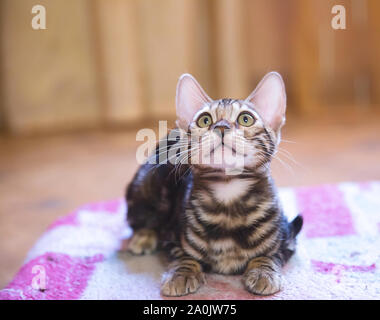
(230,133)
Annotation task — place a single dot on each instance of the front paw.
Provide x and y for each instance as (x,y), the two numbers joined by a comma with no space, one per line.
(177,284)
(263,282)
(143,241)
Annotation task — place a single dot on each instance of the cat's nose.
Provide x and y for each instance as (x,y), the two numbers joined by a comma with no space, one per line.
(220,127)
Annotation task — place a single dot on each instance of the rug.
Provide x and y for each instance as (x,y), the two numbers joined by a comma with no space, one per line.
(82,256)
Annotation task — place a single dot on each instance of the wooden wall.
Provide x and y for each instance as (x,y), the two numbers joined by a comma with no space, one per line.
(49,77)
(116,62)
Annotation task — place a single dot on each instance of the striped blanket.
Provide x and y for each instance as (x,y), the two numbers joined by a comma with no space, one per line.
(82,256)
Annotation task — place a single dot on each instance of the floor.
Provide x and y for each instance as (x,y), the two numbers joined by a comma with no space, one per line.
(42,178)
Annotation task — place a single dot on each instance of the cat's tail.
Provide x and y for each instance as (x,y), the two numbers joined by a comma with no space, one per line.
(289,245)
(296,226)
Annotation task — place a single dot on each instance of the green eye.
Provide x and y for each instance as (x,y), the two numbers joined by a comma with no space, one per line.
(204,120)
(245,119)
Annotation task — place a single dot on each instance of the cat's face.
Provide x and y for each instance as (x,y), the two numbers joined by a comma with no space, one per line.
(232,133)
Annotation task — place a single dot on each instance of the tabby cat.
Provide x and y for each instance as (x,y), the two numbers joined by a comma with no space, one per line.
(206,215)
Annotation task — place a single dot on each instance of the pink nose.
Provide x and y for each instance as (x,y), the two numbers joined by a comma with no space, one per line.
(221,126)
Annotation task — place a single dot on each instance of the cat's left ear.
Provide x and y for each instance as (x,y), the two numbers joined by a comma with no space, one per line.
(269,100)
(190,98)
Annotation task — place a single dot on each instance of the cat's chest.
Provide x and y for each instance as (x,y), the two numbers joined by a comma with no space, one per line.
(215,220)
(226,256)
(227,192)
(221,254)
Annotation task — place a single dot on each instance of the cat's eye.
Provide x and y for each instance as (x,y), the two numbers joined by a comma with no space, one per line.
(246,119)
(205,120)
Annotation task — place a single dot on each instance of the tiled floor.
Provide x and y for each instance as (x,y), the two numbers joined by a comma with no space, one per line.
(42,178)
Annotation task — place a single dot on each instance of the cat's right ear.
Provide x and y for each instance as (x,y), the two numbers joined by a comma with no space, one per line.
(269,100)
(189,99)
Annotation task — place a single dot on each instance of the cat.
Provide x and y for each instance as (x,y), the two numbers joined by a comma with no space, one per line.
(205,215)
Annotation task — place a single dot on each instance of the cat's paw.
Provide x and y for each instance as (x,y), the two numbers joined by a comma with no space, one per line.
(143,241)
(263,282)
(177,284)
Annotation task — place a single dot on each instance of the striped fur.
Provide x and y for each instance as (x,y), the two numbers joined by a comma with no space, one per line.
(210,221)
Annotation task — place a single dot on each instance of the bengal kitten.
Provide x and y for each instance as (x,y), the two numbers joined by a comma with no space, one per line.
(216,215)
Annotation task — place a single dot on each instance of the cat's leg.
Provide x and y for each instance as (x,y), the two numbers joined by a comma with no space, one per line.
(263,275)
(143,241)
(184,275)
(148,201)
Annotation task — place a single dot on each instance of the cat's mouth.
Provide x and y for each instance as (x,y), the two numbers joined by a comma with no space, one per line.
(234,152)
(224,145)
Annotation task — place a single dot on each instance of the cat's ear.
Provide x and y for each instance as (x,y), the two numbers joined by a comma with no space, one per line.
(190,98)
(269,100)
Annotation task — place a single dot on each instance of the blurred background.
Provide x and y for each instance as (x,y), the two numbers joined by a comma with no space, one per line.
(73,96)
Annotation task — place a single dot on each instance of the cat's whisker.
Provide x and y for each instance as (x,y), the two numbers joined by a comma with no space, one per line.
(184,156)
(288,141)
(186,172)
(184,152)
(167,150)
(282,161)
(278,152)
(178,145)
(179,154)
(290,157)
(283,150)
(175,169)
(155,166)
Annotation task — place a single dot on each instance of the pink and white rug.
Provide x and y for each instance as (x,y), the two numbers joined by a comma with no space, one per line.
(81,255)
